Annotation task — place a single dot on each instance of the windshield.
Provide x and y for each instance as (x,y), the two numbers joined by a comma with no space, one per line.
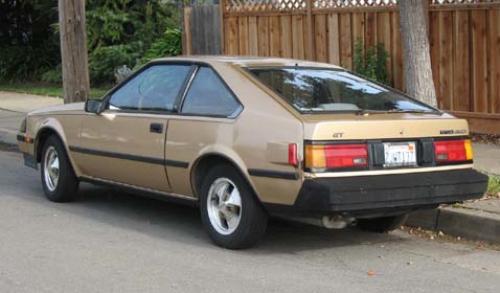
(320,90)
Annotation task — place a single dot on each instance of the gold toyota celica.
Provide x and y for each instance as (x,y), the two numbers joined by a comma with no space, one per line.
(247,138)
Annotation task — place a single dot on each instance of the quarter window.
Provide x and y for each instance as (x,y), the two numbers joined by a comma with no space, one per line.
(208,95)
(154,89)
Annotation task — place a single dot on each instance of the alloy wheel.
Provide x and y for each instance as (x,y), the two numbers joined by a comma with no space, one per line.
(51,168)
(224,206)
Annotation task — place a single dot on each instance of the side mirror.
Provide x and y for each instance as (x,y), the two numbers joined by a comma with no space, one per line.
(94,106)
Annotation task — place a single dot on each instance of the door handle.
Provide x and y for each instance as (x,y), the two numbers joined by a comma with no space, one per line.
(156,128)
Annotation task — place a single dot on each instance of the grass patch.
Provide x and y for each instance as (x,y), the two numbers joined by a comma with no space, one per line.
(493,186)
(45,89)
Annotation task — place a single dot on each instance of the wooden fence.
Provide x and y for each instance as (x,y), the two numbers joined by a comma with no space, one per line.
(202,30)
(464,37)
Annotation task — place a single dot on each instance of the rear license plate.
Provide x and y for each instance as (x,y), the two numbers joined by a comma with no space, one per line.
(400,154)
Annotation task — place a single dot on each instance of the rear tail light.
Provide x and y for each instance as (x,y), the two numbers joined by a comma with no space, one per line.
(337,156)
(292,155)
(452,151)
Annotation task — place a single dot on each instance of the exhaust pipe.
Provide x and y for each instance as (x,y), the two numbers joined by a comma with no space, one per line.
(329,222)
(336,222)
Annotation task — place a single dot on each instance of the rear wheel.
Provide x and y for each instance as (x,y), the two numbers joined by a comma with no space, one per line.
(58,178)
(230,211)
(381,225)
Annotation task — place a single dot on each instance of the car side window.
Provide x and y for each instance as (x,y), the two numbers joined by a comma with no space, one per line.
(208,95)
(154,89)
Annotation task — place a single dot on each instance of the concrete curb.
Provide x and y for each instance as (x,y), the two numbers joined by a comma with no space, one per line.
(464,222)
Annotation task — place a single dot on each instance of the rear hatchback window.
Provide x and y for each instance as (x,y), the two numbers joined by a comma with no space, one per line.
(319,90)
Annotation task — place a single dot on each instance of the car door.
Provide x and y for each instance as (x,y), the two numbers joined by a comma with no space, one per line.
(126,142)
(206,120)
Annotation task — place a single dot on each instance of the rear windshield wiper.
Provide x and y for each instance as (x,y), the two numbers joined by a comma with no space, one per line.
(415,111)
(363,112)
(368,112)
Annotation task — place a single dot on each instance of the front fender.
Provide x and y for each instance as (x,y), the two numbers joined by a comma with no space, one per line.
(51,125)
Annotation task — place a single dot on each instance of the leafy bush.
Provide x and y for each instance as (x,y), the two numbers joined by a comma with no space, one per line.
(112,22)
(28,46)
(170,44)
(104,60)
(122,32)
(371,64)
(24,62)
(493,186)
(119,32)
(53,76)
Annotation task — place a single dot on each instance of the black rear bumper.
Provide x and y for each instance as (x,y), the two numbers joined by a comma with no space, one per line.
(369,196)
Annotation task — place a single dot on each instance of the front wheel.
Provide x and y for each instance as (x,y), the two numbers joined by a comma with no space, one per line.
(58,178)
(229,209)
(381,225)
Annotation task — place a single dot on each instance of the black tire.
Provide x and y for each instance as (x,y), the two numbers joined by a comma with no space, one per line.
(67,185)
(253,220)
(382,225)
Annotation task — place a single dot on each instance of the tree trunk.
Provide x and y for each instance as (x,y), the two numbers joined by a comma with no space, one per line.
(416,51)
(75,69)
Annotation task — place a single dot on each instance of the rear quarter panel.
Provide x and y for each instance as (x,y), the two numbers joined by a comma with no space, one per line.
(260,137)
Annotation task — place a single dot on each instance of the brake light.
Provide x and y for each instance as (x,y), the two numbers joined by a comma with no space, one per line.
(292,155)
(337,156)
(452,151)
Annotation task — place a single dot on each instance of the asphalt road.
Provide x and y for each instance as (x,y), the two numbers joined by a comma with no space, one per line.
(113,242)
(9,125)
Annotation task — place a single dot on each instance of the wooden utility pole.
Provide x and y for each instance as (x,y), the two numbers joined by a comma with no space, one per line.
(75,67)
(419,84)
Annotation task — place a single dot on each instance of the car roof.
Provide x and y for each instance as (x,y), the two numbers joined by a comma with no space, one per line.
(249,61)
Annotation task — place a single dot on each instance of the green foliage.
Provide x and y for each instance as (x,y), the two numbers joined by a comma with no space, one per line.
(119,32)
(128,32)
(22,62)
(493,186)
(105,26)
(371,63)
(168,45)
(53,76)
(104,60)
(28,45)
(111,22)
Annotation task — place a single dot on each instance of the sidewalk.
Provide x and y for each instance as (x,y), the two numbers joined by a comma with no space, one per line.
(25,103)
(487,158)
(475,220)
(478,220)
(13,108)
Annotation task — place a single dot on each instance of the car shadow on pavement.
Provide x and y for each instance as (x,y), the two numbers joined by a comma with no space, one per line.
(172,221)
(177,222)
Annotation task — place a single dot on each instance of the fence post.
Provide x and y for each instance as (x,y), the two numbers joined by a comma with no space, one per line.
(187,49)
(222,4)
(310,40)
